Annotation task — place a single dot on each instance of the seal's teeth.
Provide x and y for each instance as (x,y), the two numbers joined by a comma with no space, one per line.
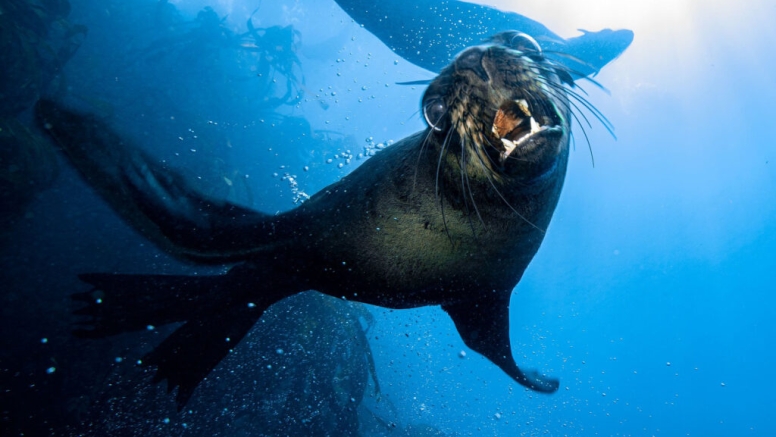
(523,105)
(535,127)
(508,145)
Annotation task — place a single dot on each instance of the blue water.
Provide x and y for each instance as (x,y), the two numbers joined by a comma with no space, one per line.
(650,297)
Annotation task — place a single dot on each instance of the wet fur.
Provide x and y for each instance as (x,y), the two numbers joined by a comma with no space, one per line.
(434,219)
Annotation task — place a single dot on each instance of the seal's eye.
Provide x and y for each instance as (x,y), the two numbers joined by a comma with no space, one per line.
(526,44)
(435,112)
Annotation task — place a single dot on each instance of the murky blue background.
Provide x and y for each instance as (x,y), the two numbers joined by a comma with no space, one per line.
(651,297)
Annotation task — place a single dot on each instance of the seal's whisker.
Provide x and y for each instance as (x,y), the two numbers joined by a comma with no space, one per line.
(574,109)
(442,151)
(578,73)
(595,111)
(569,57)
(506,202)
(570,105)
(411,116)
(494,147)
(559,70)
(582,100)
(587,139)
(493,163)
(461,165)
(466,187)
(596,83)
(420,155)
(577,96)
(538,102)
(437,192)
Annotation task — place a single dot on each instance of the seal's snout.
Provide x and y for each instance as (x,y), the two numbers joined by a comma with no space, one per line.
(471,59)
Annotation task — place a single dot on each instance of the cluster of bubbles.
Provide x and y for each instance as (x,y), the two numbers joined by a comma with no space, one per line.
(299,195)
(345,158)
(372,147)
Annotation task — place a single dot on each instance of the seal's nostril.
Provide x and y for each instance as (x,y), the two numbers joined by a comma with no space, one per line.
(471,59)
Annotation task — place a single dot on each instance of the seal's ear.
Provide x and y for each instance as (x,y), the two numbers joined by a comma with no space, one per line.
(484,327)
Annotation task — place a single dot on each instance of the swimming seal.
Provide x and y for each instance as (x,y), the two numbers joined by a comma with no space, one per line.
(449,216)
(429,33)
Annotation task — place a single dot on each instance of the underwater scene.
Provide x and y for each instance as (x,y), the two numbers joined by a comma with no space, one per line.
(387,218)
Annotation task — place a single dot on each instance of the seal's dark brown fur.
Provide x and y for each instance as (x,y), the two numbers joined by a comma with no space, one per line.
(450,216)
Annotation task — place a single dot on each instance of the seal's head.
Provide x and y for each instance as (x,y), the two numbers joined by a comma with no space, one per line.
(503,106)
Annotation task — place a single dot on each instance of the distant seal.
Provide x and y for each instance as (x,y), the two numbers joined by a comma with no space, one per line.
(449,216)
(429,33)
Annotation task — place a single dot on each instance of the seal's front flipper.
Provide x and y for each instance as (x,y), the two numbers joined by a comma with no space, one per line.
(153,199)
(484,327)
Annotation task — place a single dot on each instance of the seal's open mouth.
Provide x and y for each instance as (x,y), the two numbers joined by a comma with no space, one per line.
(515,125)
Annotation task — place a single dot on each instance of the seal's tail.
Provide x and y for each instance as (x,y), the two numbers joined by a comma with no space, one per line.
(215,310)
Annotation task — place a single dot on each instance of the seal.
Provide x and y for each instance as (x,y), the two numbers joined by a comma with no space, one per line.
(429,33)
(449,216)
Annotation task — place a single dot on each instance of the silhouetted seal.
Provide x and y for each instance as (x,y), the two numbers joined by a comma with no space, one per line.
(449,216)
(429,33)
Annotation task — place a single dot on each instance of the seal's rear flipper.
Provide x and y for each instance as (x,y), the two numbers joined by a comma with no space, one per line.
(152,198)
(484,327)
(124,303)
(187,356)
(216,310)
